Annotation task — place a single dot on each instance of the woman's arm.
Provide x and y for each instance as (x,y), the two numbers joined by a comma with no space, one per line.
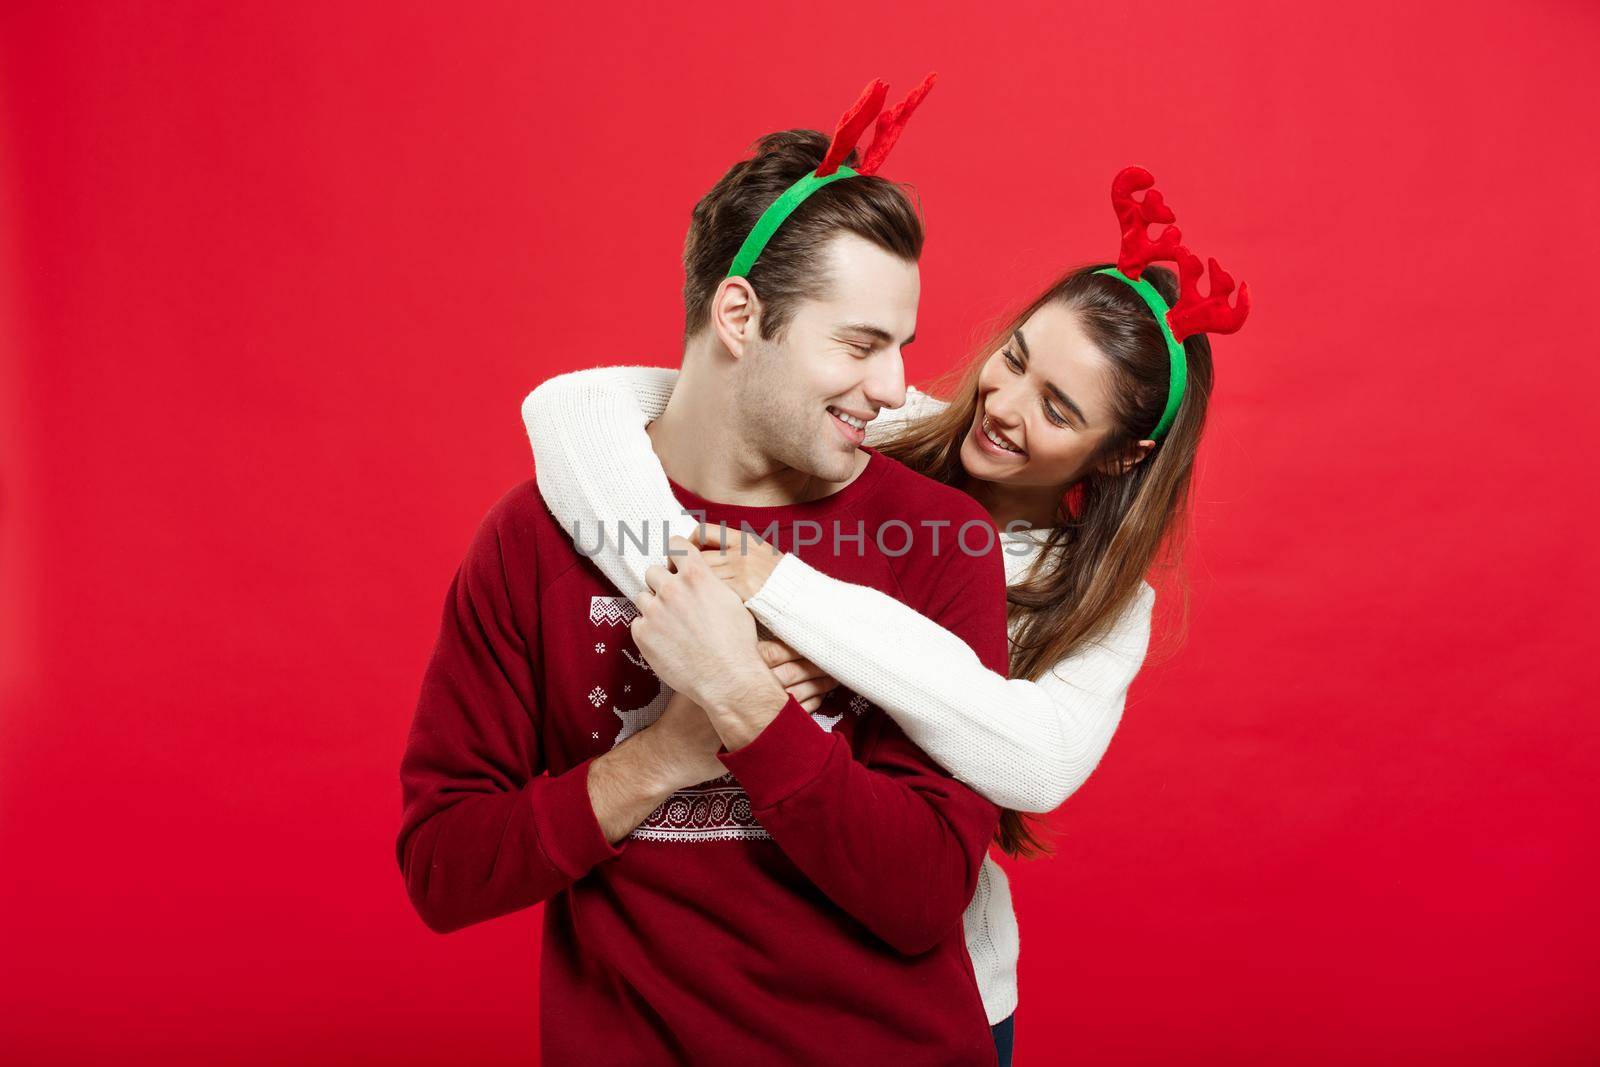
(917,405)
(597,469)
(1022,744)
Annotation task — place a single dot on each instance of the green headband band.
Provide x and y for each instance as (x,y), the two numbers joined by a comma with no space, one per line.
(1179,376)
(779,210)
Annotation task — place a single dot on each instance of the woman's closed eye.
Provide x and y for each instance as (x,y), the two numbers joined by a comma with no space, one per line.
(1049,409)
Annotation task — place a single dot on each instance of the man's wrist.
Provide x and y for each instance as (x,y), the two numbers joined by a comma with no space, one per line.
(649,759)
(627,783)
(745,708)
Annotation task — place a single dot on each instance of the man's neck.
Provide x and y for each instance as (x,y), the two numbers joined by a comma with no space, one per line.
(700,447)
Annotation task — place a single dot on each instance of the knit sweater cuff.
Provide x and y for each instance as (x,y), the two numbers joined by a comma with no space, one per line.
(785,757)
(786,582)
(568,830)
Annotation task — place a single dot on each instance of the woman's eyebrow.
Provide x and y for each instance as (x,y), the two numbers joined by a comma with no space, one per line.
(1067,400)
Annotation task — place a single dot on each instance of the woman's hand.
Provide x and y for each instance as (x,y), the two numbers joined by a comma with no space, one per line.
(742,560)
(801,678)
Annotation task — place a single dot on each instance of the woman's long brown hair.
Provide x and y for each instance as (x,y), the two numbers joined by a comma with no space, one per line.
(1112,530)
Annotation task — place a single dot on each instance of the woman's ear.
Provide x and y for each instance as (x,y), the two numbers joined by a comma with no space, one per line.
(736,315)
(1130,458)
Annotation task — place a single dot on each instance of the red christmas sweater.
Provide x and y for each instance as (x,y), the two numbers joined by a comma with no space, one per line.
(804,908)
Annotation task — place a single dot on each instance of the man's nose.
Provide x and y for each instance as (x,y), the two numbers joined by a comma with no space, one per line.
(886,380)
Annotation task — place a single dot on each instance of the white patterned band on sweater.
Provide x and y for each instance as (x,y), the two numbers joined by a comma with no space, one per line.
(1025,745)
(612,610)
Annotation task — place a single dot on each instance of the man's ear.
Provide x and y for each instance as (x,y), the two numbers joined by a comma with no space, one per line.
(1130,458)
(736,315)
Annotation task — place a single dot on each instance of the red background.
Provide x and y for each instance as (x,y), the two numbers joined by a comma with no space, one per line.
(275,278)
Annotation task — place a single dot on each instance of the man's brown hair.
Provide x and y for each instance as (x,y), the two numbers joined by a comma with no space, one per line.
(789,269)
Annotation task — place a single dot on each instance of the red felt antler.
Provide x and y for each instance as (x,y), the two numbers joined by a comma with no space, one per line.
(890,124)
(1135,217)
(853,125)
(1194,313)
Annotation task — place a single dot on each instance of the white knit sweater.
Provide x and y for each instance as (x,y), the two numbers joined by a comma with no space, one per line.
(1022,744)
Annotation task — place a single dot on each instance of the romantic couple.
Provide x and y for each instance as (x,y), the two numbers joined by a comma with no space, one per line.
(754,770)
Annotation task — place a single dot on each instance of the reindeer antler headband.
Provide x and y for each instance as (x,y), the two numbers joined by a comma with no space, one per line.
(854,123)
(1193,313)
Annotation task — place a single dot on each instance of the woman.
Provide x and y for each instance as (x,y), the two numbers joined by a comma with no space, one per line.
(1050,428)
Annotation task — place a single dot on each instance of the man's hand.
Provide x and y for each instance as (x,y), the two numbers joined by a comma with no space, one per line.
(686,743)
(699,639)
(676,751)
(800,678)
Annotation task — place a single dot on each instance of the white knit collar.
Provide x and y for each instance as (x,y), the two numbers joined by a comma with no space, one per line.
(1018,563)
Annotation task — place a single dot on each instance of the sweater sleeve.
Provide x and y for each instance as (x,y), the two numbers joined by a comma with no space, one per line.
(484,831)
(918,405)
(1026,745)
(599,473)
(891,838)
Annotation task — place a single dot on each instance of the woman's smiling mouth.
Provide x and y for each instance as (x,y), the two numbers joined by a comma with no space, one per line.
(992,440)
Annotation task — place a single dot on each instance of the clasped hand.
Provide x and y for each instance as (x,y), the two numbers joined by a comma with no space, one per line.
(699,638)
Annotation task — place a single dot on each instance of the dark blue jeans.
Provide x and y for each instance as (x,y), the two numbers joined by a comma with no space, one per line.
(1002,1032)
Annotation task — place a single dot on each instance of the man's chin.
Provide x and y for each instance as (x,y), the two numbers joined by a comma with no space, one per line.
(825,465)
(837,466)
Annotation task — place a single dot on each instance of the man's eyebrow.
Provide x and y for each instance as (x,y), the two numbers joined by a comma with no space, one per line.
(1063,397)
(877,333)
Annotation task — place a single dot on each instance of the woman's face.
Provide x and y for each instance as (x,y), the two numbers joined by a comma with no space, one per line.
(1044,395)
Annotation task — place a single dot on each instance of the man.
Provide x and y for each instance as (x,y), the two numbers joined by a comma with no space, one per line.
(727,878)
